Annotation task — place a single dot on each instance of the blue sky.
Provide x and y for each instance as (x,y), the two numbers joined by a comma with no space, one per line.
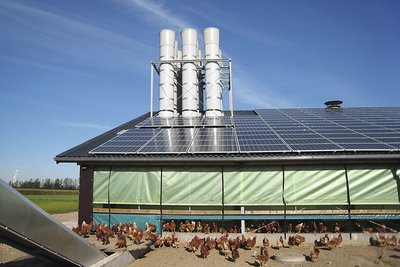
(70,70)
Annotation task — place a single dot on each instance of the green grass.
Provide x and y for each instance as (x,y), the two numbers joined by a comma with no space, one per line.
(55,203)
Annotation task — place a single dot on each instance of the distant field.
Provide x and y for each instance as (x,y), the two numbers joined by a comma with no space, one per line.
(53,201)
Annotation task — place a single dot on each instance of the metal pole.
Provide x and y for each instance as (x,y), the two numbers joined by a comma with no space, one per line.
(161,207)
(348,200)
(151,89)
(108,197)
(284,202)
(242,222)
(230,87)
(223,199)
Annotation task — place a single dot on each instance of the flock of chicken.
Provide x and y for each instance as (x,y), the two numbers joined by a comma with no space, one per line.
(122,232)
(227,246)
(271,227)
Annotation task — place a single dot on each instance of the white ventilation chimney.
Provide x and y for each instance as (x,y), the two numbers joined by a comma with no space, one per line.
(167,74)
(189,73)
(213,74)
(176,80)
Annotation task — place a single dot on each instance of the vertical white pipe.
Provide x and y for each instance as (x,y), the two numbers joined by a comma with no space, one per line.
(213,75)
(167,74)
(176,80)
(151,89)
(200,102)
(230,88)
(189,73)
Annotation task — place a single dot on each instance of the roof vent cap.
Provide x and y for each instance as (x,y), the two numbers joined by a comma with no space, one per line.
(333,103)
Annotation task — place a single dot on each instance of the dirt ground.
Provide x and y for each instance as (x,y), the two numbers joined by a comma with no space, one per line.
(351,253)
(347,255)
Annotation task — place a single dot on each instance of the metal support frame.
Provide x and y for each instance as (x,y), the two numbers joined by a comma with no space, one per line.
(108,196)
(348,200)
(155,65)
(161,206)
(223,198)
(151,89)
(284,202)
(230,88)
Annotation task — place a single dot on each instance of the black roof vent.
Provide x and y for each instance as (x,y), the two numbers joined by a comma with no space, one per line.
(333,103)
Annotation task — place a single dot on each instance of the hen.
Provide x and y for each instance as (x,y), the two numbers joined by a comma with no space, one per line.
(314,253)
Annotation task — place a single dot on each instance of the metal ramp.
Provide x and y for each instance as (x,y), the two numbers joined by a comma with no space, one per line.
(27,227)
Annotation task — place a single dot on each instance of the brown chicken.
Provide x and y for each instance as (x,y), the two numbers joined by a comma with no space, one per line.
(251,242)
(279,242)
(314,253)
(322,228)
(204,252)
(150,227)
(391,241)
(173,225)
(265,242)
(235,254)
(263,257)
(206,229)
(194,244)
(211,243)
(190,226)
(296,240)
(226,249)
(121,242)
(298,228)
(159,243)
(337,228)
(199,227)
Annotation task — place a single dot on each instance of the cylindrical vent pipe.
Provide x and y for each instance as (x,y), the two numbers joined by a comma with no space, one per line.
(189,74)
(167,73)
(213,74)
(176,80)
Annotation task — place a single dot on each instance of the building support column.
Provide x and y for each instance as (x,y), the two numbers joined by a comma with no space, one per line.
(242,222)
(161,207)
(223,200)
(85,211)
(284,202)
(348,201)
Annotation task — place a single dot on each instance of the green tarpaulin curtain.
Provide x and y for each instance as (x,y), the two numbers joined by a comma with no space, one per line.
(100,186)
(253,185)
(311,185)
(373,185)
(128,186)
(192,186)
(249,185)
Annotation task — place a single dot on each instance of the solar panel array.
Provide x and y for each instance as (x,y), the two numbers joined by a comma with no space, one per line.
(264,130)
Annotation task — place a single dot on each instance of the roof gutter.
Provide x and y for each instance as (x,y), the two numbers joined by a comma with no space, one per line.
(395,158)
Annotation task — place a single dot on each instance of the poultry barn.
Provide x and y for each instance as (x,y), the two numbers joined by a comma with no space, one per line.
(238,170)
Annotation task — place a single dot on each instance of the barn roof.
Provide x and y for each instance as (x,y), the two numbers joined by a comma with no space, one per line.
(249,135)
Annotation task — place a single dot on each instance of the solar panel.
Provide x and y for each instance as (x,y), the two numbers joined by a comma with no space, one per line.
(171,140)
(218,121)
(214,140)
(254,135)
(268,130)
(156,122)
(128,142)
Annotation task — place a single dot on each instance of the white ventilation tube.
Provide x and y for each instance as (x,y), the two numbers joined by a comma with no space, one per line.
(213,74)
(167,73)
(176,80)
(189,74)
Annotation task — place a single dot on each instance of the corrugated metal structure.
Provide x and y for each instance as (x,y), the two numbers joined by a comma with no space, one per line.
(334,163)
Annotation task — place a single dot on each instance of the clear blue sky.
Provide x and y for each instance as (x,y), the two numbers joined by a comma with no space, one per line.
(70,70)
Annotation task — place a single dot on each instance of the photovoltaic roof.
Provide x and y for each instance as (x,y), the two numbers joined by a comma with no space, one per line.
(262,131)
